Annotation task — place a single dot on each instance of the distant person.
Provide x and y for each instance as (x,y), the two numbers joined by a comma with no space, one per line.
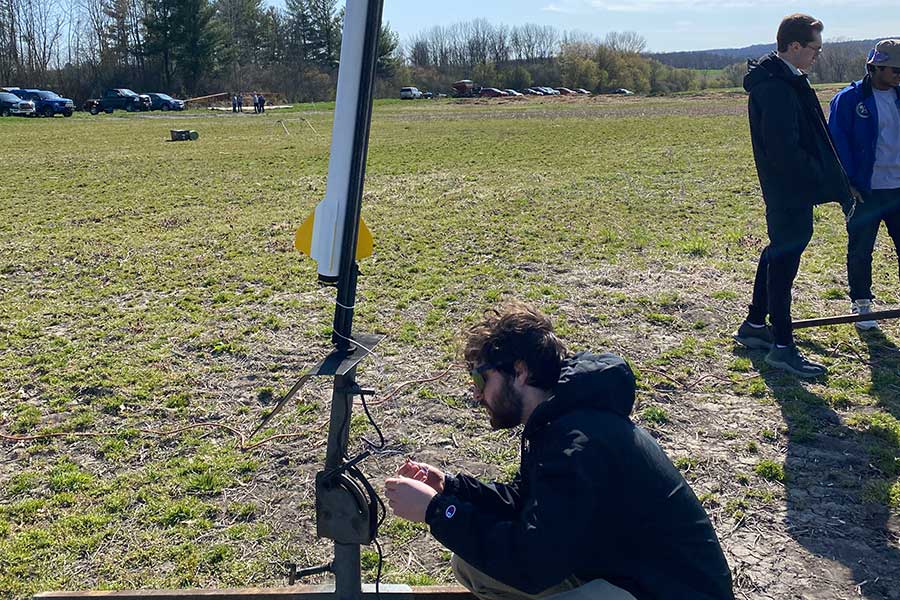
(865,125)
(596,510)
(262,103)
(797,168)
(240,103)
(234,103)
(255,103)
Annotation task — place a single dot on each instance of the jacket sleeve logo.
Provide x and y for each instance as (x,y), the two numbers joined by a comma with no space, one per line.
(862,111)
(451,510)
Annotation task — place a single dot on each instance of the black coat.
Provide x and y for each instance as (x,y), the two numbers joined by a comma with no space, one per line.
(595,497)
(794,153)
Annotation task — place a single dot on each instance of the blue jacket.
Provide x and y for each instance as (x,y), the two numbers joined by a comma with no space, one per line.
(853,123)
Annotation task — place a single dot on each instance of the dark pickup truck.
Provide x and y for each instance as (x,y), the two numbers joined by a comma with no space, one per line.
(118,98)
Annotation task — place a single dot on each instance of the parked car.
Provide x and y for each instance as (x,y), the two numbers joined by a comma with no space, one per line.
(159,101)
(564,91)
(490,92)
(548,91)
(533,92)
(512,92)
(121,98)
(582,91)
(622,91)
(46,103)
(427,95)
(11,104)
(410,93)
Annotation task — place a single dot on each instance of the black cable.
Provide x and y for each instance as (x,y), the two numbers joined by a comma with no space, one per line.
(381,443)
(378,576)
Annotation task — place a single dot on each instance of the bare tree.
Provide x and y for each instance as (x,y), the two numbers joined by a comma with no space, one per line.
(547,42)
(500,50)
(629,42)
(40,29)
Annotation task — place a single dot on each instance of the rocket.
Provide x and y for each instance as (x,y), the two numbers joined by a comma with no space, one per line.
(334,234)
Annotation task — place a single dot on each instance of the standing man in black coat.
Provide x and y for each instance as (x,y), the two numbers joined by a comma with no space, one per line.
(798,168)
(597,511)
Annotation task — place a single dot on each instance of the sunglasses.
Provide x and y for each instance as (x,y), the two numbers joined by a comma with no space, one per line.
(478,375)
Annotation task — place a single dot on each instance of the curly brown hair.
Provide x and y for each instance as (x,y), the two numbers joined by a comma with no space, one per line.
(517,331)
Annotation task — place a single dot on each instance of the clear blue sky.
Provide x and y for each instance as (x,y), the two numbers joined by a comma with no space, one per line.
(667,25)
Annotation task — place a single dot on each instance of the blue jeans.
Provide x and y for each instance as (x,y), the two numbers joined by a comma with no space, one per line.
(877,206)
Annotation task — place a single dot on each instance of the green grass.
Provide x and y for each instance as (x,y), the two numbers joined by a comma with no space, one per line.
(148,285)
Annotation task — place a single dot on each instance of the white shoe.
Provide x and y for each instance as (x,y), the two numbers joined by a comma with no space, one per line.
(862,307)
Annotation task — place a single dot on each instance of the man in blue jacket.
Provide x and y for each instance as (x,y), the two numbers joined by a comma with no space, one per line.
(798,168)
(865,125)
(596,510)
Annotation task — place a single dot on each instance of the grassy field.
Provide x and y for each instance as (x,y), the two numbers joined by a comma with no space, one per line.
(146,286)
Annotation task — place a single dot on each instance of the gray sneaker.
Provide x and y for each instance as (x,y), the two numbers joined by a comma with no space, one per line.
(863,307)
(790,360)
(757,338)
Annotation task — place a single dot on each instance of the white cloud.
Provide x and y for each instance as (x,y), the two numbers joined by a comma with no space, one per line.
(568,7)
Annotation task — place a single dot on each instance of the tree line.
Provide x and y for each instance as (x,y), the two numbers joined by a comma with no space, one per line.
(525,55)
(194,47)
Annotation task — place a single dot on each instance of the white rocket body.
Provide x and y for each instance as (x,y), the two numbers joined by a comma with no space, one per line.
(322,237)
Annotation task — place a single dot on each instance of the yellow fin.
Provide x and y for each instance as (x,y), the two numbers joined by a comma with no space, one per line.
(364,244)
(303,238)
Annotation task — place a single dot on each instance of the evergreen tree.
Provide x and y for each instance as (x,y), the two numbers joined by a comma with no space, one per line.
(388,61)
(324,35)
(198,41)
(162,30)
(242,25)
(298,29)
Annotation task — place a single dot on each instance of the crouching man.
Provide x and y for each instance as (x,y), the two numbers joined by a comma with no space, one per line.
(597,510)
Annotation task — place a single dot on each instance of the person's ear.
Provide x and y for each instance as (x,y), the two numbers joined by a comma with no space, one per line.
(521,372)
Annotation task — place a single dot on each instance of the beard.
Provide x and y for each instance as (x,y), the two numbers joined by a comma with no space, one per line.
(506,411)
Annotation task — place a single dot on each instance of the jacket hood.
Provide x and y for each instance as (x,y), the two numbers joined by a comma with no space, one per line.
(766,68)
(598,381)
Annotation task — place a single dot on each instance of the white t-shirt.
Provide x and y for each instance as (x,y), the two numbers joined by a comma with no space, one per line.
(886,175)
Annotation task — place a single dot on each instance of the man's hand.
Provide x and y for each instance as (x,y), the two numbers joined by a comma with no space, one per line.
(423,472)
(409,498)
(855,200)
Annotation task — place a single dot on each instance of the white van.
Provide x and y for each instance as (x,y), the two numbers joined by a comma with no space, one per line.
(410,93)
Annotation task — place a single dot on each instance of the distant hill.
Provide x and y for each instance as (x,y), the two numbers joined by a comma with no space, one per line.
(722,57)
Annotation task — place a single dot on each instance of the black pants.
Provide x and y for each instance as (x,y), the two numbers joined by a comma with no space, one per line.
(790,230)
(878,206)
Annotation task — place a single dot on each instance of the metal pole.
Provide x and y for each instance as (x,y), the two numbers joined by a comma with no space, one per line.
(347,576)
(872,316)
(339,425)
(346,565)
(346,294)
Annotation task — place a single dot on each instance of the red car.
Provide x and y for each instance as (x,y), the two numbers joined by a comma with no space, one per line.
(492,93)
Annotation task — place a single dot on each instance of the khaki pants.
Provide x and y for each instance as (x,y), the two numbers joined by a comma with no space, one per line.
(487,588)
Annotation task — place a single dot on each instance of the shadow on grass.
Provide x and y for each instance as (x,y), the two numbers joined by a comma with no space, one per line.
(827,473)
(884,362)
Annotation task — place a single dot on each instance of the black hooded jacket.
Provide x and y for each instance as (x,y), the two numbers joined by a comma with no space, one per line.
(595,497)
(795,156)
